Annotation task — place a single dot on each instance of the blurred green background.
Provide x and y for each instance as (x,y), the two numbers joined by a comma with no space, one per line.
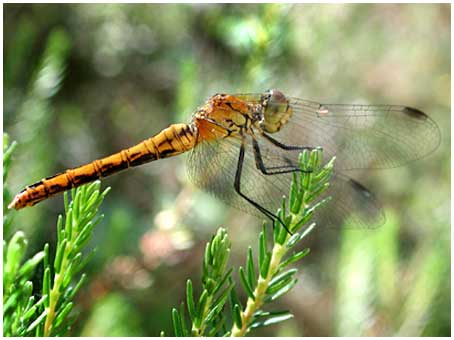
(84,81)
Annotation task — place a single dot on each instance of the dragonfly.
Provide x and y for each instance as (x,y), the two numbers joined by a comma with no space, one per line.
(244,148)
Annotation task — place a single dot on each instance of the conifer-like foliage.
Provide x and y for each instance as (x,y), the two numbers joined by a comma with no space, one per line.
(218,311)
(46,310)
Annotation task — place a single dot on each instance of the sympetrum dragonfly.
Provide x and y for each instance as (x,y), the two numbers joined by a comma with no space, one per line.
(244,149)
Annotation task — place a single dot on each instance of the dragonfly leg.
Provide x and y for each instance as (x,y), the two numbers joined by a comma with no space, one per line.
(284,146)
(275,170)
(237,186)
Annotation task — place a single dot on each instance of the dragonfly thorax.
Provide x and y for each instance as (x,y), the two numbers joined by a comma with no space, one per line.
(276,111)
(222,116)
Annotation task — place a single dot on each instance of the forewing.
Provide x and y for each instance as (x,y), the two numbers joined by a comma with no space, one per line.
(361,136)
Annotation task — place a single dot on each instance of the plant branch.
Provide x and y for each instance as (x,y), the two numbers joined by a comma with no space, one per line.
(209,317)
(300,211)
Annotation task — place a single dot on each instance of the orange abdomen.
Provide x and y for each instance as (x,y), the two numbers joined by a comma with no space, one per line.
(172,141)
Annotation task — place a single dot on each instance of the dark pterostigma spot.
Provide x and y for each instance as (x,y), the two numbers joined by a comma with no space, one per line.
(415,113)
(361,189)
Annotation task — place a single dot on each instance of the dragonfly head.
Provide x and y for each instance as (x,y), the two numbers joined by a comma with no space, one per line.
(276,111)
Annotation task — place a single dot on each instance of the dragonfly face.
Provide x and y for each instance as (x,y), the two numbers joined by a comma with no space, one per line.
(276,111)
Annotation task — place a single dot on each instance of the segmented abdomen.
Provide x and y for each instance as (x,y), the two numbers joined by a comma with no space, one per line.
(172,141)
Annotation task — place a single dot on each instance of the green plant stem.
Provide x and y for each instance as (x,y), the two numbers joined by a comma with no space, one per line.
(55,293)
(255,304)
(280,246)
(199,331)
(208,316)
(71,238)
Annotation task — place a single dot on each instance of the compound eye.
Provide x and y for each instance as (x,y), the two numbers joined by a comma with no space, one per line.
(277,97)
(275,113)
(276,102)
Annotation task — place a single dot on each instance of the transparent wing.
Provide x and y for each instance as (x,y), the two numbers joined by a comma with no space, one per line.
(352,204)
(361,136)
(212,167)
